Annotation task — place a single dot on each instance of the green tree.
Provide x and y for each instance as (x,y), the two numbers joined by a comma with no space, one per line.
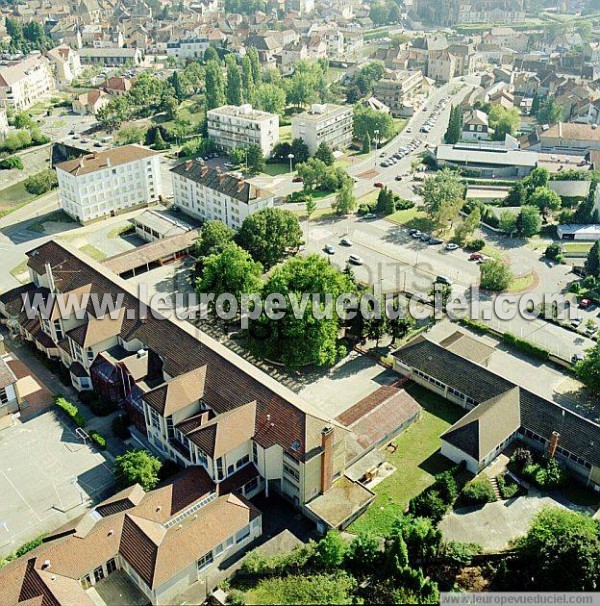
(248,80)
(211,54)
(507,222)
(255,159)
(345,202)
(301,89)
(302,337)
(363,556)
(538,177)
(529,221)
(517,195)
(137,467)
(454,131)
(41,182)
(300,150)
(234,82)
(131,134)
(270,98)
(549,112)
(252,54)
(546,200)
(214,237)
(269,234)
(592,261)
(584,29)
(561,551)
(495,275)
(231,271)
(504,121)
(443,196)
(368,120)
(535,104)
(465,230)
(325,154)
(366,147)
(330,551)
(215,86)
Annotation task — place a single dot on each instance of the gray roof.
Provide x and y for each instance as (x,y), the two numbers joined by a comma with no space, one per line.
(479,155)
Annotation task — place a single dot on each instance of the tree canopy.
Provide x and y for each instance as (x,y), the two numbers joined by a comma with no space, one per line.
(214,238)
(443,197)
(137,467)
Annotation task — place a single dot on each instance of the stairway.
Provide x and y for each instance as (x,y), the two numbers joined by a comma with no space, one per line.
(494,483)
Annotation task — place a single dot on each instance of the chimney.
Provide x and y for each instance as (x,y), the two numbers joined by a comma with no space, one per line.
(327,459)
(108,162)
(2,346)
(553,444)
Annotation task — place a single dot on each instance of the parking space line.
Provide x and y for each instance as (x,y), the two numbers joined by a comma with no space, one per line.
(21,496)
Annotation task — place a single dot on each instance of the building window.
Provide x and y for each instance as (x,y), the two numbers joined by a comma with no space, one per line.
(3,397)
(98,574)
(90,354)
(154,418)
(242,534)
(291,473)
(255,453)
(243,461)
(220,468)
(229,543)
(219,549)
(86,581)
(111,566)
(205,561)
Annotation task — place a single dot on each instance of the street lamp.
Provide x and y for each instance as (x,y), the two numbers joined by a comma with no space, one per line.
(376,133)
(291,158)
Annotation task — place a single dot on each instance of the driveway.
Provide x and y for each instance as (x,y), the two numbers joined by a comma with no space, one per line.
(494,525)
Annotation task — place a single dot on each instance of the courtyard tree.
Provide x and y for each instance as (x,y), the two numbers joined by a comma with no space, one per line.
(507,222)
(300,151)
(588,370)
(549,112)
(529,221)
(465,230)
(270,98)
(546,200)
(137,467)
(269,234)
(592,261)
(504,121)
(377,125)
(255,160)
(248,87)
(302,336)
(345,201)
(214,238)
(325,154)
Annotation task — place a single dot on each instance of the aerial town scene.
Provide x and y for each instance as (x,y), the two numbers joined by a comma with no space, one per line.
(299,302)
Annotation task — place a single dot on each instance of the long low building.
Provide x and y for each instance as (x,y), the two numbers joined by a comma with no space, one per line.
(490,161)
(499,411)
(589,233)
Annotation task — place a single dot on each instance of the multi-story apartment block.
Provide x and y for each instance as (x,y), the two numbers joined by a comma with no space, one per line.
(329,123)
(207,194)
(397,92)
(231,126)
(25,82)
(188,48)
(103,183)
(66,62)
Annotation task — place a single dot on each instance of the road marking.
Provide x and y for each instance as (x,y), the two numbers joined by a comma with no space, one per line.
(22,497)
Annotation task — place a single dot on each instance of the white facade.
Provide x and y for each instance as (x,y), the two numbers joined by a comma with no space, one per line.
(3,124)
(110,188)
(230,127)
(188,48)
(206,200)
(330,123)
(26,82)
(66,62)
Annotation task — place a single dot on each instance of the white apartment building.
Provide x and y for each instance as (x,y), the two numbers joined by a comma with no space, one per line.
(328,122)
(188,48)
(104,183)
(23,83)
(66,62)
(231,126)
(207,194)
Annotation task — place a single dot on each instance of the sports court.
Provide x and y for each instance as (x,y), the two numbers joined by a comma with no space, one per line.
(47,477)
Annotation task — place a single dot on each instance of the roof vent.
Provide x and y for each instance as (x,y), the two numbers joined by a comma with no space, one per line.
(594,126)
(46,564)
(111,532)
(159,508)
(142,353)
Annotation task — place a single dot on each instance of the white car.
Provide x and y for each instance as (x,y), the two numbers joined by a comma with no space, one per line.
(346,242)
(355,260)
(451,246)
(330,250)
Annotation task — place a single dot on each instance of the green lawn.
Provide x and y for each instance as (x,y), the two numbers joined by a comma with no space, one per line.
(577,247)
(413,217)
(278,168)
(522,283)
(285,133)
(93,252)
(416,461)
(14,197)
(20,270)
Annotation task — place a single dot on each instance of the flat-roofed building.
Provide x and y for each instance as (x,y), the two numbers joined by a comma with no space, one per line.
(208,194)
(328,123)
(104,183)
(231,126)
(396,91)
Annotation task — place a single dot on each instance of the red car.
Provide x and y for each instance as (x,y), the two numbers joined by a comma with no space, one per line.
(379,185)
(475,256)
(297,180)
(584,303)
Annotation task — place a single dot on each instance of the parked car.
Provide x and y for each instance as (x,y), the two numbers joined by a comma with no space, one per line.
(591,330)
(355,260)
(443,280)
(576,323)
(425,237)
(412,231)
(577,358)
(416,234)
(475,256)
(346,241)
(297,180)
(584,303)
(330,250)
(451,246)
(370,216)
(434,241)
(379,185)
(409,129)
(398,178)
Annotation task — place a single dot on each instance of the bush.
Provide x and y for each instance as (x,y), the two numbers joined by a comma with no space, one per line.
(521,457)
(11,162)
(98,438)
(236,598)
(120,427)
(553,251)
(428,504)
(507,486)
(30,545)
(71,410)
(446,486)
(42,182)
(478,491)
(475,245)
(364,209)
(545,477)
(526,347)
(402,204)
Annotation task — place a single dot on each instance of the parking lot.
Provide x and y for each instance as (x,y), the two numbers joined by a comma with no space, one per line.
(48,477)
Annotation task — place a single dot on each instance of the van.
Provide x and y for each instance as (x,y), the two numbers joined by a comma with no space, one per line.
(444,280)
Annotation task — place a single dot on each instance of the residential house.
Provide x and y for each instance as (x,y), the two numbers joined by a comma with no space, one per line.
(441,66)
(117,85)
(476,126)
(90,103)
(66,63)
(207,194)
(104,183)
(505,37)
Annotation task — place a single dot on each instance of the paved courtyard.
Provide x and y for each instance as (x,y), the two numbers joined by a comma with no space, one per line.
(494,525)
(48,476)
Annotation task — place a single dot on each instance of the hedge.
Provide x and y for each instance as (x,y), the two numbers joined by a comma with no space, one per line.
(71,410)
(98,438)
(526,347)
(478,491)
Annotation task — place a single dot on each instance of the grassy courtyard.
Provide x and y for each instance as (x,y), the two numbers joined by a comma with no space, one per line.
(13,197)
(412,217)
(416,461)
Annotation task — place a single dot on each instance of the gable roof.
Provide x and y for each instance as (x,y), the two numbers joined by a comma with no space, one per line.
(178,392)
(105,159)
